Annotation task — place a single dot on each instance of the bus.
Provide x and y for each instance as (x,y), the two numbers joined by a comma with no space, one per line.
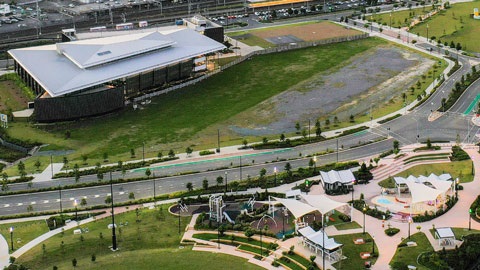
(124,26)
(98,29)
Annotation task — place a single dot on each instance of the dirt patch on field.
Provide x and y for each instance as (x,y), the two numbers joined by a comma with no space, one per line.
(308,32)
(372,78)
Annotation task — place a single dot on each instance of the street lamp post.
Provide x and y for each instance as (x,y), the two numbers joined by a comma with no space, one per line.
(470,219)
(275,178)
(314,164)
(373,245)
(323,242)
(351,210)
(154,192)
(427,32)
(261,243)
(143,152)
(114,236)
(76,210)
(409,222)
(226,182)
(11,237)
(60,195)
(364,212)
(240,168)
(390,20)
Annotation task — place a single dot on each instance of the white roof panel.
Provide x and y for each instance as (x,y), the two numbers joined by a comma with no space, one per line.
(344,177)
(64,76)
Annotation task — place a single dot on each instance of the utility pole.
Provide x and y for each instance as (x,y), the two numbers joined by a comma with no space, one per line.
(114,236)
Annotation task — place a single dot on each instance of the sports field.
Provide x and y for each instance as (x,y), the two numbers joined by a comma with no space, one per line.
(306,31)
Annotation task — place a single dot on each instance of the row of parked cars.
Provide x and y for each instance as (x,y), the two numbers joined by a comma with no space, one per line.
(10,20)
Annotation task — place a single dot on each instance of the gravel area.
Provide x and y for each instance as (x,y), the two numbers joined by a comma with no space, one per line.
(370,79)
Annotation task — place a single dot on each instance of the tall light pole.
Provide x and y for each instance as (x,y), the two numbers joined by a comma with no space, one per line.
(323,241)
(261,243)
(60,195)
(226,183)
(275,178)
(373,245)
(154,193)
(427,32)
(143,152)
(470,211)
(11,237)
(114,236)
(76,210)
(240,168)
(364,212)
(351,210)
(390,20)
(410,220)
(314,164)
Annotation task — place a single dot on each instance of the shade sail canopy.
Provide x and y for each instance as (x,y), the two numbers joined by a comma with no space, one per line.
(322,203)
(297,208)
(422,193)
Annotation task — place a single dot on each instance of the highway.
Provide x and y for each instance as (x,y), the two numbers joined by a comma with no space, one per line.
(406,129)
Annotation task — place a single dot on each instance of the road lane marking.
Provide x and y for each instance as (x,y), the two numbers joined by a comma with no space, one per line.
(46,201)
(19,204)
(33,203)
(121,192)
(6,205)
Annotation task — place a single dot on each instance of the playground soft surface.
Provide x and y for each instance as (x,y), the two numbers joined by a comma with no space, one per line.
(151,243)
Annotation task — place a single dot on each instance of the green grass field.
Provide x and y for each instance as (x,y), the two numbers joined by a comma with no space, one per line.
(157,230)
(23,232)
(352,251)
(461,169)
(348,226)
(408,255)
(455,25)
(398,18)
(198,110)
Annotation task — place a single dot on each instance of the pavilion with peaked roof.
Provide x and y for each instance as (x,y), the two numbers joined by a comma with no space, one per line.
(95,76)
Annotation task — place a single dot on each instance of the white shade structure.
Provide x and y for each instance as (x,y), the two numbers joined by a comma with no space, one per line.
(422,193)
(297,208)
(322,203)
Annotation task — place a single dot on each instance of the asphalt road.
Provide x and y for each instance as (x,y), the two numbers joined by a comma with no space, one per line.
(406,129)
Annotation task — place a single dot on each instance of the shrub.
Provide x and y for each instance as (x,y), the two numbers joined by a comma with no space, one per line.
(206,152)
(458,154)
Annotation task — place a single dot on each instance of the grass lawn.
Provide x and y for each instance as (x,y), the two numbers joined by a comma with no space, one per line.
(408,255)
(153,259)
(455,25)
(398,18)
(23,232)
(347,226)
(461,169)
(205,105)
(291,264)
(352,251)
(255,250)
(157,231)
(459,232)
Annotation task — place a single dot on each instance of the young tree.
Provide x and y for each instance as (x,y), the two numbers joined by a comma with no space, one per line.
(352,118)
(171,153)
(282,137)
(108,200)
(38,164)
(205,184)
(189,186)
(297,127)
(219,180)
(83,202)
(74,262)
(160,154)
(131,196)
(21,167)
(105,157)
(189,151)
(396,145)
(132,152)
(245,142)
(148,172)
(94,258)
(263,172)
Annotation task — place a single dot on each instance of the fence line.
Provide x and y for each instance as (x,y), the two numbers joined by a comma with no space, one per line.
(291,46)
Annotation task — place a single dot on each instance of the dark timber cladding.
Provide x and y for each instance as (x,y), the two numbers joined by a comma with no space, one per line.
(140,83)
(78,106)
